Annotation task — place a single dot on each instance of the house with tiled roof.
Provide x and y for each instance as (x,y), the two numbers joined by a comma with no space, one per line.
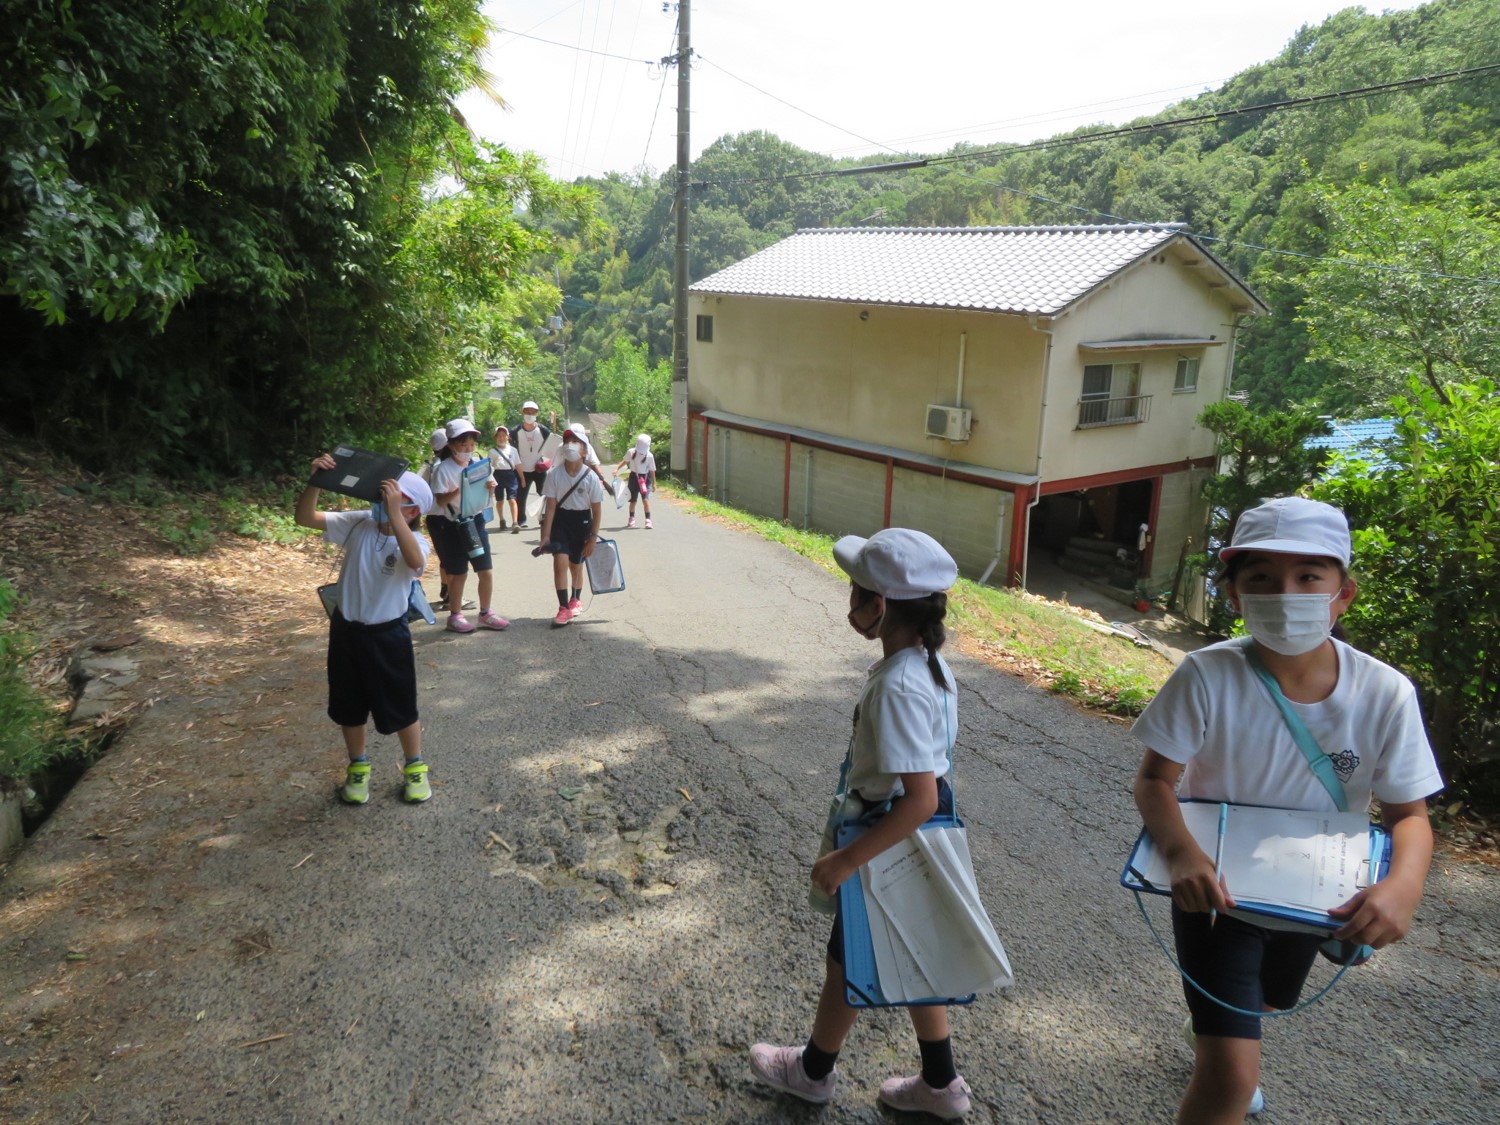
(1006,389)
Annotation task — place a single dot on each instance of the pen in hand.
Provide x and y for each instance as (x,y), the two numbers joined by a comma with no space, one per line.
(1213,913)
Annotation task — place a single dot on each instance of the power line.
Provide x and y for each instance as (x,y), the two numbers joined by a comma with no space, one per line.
(1440,78)
(575,47)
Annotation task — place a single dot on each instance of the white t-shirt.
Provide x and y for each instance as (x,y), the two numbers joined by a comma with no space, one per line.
(1215,716)
(445,478)
(637,462)
(529,443)
(503,459)
(587,494)
(375,583)
(903,723)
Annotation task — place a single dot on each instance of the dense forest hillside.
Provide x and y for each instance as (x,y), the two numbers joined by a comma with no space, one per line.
(1267,189)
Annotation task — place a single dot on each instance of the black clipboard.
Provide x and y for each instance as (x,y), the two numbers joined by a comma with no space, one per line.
(358,473)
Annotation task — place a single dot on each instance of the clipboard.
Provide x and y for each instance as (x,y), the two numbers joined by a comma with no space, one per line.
(606,575)
(473,494)
(861,977)
(358,473)
(1374,868)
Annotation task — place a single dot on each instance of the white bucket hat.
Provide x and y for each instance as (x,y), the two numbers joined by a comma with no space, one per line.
(1292,525)
(897,563)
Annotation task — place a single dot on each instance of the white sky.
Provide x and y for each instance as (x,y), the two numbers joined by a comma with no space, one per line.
(912,76)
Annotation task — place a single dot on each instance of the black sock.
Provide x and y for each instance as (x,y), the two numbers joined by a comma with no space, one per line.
(562,598)
(937,1062)
(816,1062)
(577,593)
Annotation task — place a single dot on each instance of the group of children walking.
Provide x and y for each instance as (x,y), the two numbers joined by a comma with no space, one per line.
(1214,732)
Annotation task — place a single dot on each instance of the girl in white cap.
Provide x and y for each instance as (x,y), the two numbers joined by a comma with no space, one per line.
(904,725)
(1217,728)
(642,466)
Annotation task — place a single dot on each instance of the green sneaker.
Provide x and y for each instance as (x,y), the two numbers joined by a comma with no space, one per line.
(417,789)
(356,787)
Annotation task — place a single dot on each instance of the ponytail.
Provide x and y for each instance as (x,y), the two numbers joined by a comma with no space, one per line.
(925,616)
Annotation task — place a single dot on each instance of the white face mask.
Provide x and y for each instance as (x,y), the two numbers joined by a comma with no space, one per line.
(572,452)
(1290,624)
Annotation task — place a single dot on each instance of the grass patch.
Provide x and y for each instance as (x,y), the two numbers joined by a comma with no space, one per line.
(1028,634)
(31,729)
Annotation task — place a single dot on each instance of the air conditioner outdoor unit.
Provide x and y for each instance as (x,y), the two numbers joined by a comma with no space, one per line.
(951,423)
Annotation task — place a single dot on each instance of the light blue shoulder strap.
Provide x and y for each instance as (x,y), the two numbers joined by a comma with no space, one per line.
(1317,761)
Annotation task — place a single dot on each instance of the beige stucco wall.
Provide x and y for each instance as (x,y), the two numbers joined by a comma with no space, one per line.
(847,495)
(1153,298)
(1182,515)
(817,365)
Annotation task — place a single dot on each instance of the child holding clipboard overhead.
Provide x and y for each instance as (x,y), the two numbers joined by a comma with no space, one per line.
(1217,726)
(903,728)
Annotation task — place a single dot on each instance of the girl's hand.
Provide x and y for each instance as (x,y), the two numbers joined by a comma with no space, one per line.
(1195,889)
(1378,915)
(832,871)
(390,495)
(324,461)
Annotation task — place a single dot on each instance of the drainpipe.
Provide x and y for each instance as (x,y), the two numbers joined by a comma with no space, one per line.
(807,489)
(963,347)
(999,538)
(724,465)
(1041,440)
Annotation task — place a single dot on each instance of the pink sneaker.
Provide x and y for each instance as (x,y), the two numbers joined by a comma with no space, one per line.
(564,615)
(781,1069)
(915,1096)
(488,619)
(630,522)
(458,623)
(575,607)
(648,523)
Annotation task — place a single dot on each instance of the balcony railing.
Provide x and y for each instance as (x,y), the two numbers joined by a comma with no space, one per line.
(1093,412)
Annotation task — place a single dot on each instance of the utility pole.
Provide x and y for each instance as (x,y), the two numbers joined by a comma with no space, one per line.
(680,251)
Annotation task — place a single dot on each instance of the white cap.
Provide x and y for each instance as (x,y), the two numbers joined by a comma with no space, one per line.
(439,438)
(460,427)
(417,490)
(529,405)
(643,442)
(1292,525)
(897,563)
(577,428)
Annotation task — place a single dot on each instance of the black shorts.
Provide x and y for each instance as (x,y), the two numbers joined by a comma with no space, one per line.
(371,671)
(451,542)
(570,532)
(640,485)
(1245,965)
(507,484)
(836,938)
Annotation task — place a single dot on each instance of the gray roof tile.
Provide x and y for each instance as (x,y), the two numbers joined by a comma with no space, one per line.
(1038,270)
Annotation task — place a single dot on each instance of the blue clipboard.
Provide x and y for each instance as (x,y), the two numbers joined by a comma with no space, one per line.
(861,977)
(1132,879)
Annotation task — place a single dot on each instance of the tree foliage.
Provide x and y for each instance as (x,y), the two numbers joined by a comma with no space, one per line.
(231,230)
(640,393)
(1426,303)
(1425,513)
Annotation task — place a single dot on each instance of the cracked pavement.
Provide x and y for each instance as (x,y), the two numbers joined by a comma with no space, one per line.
(605,904)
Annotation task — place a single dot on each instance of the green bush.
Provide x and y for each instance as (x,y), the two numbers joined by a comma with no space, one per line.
(31,732)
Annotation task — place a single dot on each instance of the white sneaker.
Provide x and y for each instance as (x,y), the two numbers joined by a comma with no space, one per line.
(915,1096)
(781,1069)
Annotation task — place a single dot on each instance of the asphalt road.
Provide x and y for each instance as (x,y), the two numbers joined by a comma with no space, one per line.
(604,905)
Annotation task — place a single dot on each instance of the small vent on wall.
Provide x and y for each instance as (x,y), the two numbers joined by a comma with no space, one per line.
(951,423)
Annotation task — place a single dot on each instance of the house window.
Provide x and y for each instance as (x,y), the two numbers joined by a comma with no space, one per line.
(706,329)
(1112,395)
(1187,377)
